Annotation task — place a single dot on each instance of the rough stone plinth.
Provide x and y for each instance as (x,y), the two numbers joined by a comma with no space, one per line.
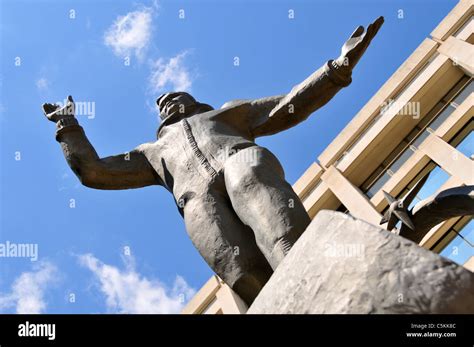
(345,265)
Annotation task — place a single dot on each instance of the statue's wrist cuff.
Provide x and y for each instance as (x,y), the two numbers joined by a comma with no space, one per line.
(66,125)
(336,75)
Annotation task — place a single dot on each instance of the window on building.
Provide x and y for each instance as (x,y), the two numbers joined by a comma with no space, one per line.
(429,124)
(464,143)
(394,99)
(458,242)
(464,94)
(436,179)
(464,140)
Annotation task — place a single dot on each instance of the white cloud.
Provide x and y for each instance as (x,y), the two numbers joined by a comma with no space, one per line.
(127,291)
(42,84)
(172,75)
(27,293)
(130,34)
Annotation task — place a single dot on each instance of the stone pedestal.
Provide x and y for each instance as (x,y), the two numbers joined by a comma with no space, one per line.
(345,265)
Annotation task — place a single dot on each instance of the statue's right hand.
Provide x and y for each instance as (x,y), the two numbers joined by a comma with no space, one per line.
(55,112)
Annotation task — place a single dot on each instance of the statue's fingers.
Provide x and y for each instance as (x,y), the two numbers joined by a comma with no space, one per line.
(374,27)
(371,31)
(379,21)
(49,108)
(369,34)
(359,30)
(378,24)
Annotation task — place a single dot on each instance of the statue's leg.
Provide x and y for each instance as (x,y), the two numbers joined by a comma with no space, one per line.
(226,244)
(265,202)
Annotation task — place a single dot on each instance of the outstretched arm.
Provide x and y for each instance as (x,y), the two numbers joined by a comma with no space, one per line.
(275,114)
(124,171)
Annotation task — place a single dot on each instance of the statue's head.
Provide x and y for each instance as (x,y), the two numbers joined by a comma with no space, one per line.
(179,104)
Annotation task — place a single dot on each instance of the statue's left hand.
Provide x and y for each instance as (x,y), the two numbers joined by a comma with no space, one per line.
(355,46)
(55,112)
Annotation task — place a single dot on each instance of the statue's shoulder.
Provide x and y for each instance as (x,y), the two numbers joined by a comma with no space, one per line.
(146,147)
(234,103)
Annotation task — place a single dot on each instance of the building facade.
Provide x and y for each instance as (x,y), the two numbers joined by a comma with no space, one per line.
(215,297)
(419,122)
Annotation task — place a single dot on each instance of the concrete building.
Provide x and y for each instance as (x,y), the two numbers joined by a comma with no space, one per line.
(215,297)
(419,122)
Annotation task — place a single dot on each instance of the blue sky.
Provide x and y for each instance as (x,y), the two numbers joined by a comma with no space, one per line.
(50,49)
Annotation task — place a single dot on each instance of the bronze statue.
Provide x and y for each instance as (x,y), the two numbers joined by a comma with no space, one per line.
(239,211)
